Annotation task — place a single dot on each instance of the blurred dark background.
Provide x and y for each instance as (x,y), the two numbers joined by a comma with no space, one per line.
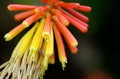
(98,49)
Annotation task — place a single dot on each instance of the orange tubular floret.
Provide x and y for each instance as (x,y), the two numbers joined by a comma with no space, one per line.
(47,27)
(66,33)
(16,7)
(76,22)
(63,20)
(73,49)
(27,22)
(23,15)
(67,5)
(74,18)
(84,8)
(78,15)
(10,35)
(60,45)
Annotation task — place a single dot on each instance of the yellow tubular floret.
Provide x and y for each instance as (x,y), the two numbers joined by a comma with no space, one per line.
(47,27)
(37,39)
(50,44)
(47,51)
(24,42)
(27,39)
(14,64)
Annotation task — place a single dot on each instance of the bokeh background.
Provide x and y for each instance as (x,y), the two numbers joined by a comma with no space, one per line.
(99,49)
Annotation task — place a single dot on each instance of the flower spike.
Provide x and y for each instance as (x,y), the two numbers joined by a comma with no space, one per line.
(35,50)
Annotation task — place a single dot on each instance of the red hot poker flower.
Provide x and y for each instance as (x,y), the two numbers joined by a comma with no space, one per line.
(35,50)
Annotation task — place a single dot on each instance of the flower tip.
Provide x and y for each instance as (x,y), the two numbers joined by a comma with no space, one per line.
(74,43)
(85,30)
(46,35)
(25,24)
(74,50)
(9,7)
(66,23)
(85,8)
(7,37)
(89,9)
(63,65)
(52,59)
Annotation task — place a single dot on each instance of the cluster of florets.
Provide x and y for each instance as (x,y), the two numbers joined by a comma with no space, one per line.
(35,50)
